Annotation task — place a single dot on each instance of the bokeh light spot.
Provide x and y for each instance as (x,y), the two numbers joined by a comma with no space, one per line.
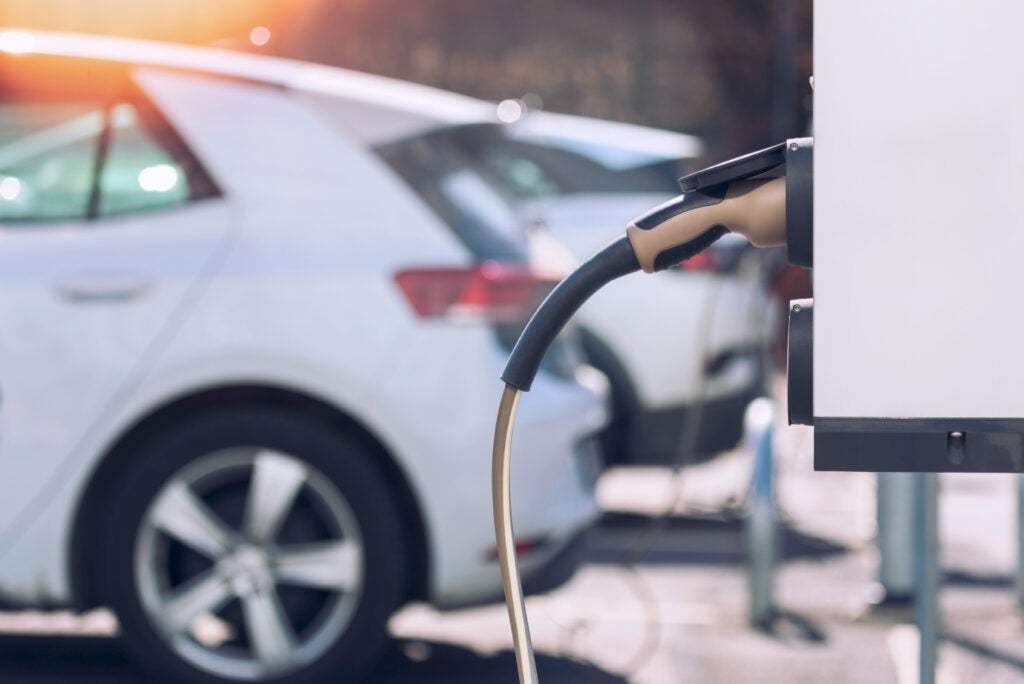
(17,42)
(10,188)
(260,35)
(159,178)
(509,111)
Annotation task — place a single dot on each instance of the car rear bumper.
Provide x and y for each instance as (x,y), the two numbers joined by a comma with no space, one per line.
(656,437)
(560,568)
(552,567)
(555,463)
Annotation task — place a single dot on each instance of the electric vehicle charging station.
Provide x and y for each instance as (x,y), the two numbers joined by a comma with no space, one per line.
(918,231)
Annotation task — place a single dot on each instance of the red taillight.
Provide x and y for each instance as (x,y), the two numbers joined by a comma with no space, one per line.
(523,547)
(491,291)
(708,260)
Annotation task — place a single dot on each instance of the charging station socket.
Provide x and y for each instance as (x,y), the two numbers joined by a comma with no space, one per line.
(800,362)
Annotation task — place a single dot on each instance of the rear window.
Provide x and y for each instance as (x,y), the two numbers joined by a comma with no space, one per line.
(74,157)
(461,193)
(534,170)
(47,158)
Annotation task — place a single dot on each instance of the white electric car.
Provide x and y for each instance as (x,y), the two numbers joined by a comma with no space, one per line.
(252,321)
(685,349)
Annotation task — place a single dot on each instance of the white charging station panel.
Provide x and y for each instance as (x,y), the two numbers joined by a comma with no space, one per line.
(918,218)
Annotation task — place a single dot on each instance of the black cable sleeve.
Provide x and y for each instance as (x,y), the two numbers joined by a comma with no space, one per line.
(674,255)
(614,261)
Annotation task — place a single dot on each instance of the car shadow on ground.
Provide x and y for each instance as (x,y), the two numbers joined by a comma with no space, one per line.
(441,663)
(983,650)
(43,659)
(712,539)
(718,539)
(966,578)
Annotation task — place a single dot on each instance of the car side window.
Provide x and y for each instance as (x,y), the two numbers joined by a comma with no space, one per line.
(90,160)
(523,176)
(47,159)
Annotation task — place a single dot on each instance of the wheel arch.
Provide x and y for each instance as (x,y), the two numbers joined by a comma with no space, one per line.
(86,537)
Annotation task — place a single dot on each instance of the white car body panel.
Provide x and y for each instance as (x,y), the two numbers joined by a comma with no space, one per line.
(286,282)
(84,311)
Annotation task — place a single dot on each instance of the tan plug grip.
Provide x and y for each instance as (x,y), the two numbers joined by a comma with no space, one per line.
(755,209)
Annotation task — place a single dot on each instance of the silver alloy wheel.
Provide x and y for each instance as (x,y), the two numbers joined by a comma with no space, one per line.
(214,589)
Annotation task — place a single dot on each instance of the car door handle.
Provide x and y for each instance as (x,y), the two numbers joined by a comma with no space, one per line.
(102,287)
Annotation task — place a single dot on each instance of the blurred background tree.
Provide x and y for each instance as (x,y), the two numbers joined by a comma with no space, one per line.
(186,21)
(732,71)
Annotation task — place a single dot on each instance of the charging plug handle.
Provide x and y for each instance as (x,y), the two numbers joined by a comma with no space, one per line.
(682,227)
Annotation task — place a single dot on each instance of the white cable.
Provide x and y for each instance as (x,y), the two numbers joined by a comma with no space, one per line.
(502,500)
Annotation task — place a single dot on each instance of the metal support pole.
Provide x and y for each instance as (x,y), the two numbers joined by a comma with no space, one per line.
(896,534)
(762,526)
(1019,584)
(927,556)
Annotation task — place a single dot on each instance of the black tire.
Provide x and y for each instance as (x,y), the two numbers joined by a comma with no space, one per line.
(615,439)
(342,461)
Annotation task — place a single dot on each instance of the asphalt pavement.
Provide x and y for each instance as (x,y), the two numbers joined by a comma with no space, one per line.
(671,606)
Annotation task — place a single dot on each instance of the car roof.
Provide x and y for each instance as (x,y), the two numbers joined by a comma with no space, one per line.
(614,144)
(421,107)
